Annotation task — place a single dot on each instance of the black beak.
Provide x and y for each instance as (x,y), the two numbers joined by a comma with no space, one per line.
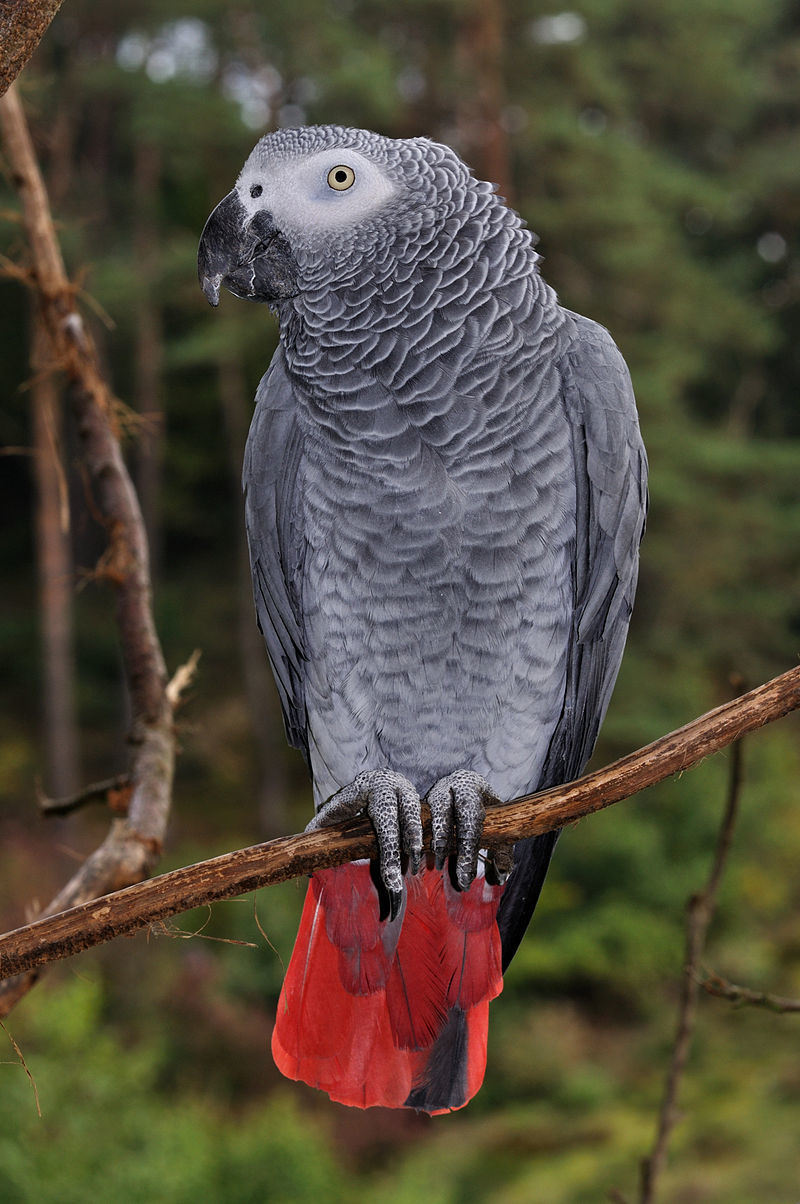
(246,255)
(220,243)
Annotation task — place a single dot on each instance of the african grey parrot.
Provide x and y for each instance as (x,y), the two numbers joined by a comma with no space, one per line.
(445,490)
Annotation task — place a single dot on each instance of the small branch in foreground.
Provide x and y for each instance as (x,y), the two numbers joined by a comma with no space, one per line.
(713,984)
(699,914)
(291,857)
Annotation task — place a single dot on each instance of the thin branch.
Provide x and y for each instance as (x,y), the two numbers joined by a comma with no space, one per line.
(22,24)
(97,792)
(133,845)
(713,984)
(24,1066)
(245,870)
(698,917)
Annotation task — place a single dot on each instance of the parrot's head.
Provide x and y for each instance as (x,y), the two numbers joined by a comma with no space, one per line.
(313,205)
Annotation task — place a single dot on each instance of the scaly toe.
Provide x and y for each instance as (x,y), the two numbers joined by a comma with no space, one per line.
(393,806)
(459,801)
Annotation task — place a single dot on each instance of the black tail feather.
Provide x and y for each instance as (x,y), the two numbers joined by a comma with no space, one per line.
(531,859)
(444,1082)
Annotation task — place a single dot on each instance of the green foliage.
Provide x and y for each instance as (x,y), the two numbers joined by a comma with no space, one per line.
(129,1140)
(564,1116)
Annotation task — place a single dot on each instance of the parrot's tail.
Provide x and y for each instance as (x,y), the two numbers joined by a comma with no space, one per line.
(393,1013)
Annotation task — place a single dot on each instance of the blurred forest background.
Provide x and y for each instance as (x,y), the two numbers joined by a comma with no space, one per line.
(656,151)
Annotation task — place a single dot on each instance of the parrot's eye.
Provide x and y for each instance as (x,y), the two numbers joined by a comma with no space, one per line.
(341,177)
(256,190)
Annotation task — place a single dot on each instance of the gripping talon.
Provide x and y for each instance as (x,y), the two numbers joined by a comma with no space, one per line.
(395,904)
(393,806)
(458,804)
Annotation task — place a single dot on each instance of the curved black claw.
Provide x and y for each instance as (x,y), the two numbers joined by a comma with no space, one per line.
(459,801)
(393,806)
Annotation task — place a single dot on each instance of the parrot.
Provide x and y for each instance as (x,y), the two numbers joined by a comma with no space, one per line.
(445,489)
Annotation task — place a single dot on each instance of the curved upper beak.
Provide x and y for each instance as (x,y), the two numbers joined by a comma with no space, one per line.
(220,245)
(248,255)
(230,251)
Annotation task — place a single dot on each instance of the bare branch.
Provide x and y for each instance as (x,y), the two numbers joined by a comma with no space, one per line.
(24,1066)
(713,984)
(97,792)
(22,25)
(698,917)
(133,845)
(236,873)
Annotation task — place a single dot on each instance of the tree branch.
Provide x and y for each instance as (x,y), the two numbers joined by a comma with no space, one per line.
(713,984)
(290,857)
(699,914)
(97,792)
(133,845)
(22,24)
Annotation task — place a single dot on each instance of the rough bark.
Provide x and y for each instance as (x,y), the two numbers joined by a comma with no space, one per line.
(22,24)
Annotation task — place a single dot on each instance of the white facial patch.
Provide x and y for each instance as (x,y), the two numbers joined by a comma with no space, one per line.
(302,201)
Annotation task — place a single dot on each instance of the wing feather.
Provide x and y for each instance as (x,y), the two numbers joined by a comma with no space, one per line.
(272,468)
(611,505)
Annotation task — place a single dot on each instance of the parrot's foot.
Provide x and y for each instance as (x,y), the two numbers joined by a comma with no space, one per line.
(459,801)
(393,806)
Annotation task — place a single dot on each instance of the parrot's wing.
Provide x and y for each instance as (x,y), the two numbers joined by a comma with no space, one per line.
(270,479)
(611,505)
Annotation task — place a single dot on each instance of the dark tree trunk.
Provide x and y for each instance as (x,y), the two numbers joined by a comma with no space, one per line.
(483,137)
(148,368)
(54,561)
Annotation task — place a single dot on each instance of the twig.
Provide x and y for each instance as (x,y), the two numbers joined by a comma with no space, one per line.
(97,792)
(133,845)
(182,679)
(698,917)
(713,984)
(24,1066)
(293,856)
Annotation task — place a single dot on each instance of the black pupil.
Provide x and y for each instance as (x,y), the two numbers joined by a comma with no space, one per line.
(341,176)
(256,190)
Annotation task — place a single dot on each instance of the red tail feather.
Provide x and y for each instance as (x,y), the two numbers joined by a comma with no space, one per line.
(390,1013)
